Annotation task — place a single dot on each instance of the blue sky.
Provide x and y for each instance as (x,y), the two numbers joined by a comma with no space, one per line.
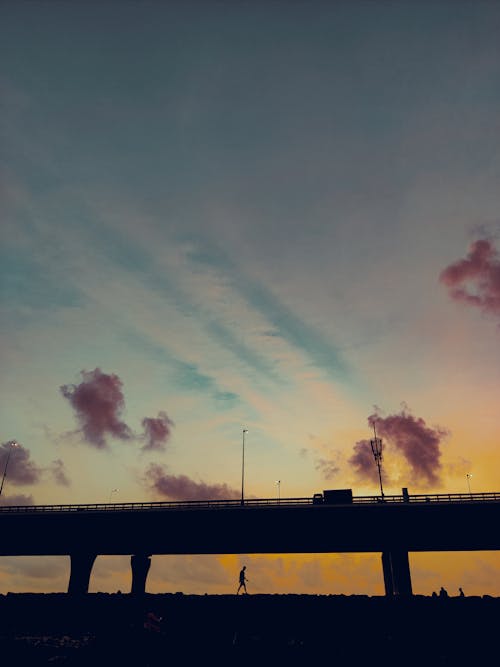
(242,210)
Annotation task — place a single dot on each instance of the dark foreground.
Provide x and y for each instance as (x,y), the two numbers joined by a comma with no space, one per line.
(100,629)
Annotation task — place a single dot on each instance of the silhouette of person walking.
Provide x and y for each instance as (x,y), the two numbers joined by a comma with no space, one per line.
(243,580)
(443,593)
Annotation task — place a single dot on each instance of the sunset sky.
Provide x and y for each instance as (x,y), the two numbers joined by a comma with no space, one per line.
(278,216)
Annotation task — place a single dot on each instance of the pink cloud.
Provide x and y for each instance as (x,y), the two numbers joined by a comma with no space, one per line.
(21,470)
(156,431)
(363,462)
(417,442)
(181,487)
(98,403)
(475,280)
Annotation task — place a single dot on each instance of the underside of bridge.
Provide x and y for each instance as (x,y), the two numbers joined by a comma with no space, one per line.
(395,566)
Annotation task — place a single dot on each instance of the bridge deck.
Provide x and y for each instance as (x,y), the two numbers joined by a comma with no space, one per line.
(253,503)
(442,522)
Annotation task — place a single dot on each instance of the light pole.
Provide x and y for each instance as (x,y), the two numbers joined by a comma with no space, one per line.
(12,444)
(245,430)
(376,445)
(468,475)
(111,493)
(278,484)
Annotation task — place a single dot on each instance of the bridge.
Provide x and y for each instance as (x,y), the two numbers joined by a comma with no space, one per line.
(392,526)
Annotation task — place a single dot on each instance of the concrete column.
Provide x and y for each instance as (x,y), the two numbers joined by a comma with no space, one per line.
(401,572)
(140,567)
(396,568)
(387,570)
(81,567)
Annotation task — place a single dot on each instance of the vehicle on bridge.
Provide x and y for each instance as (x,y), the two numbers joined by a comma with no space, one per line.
(333,497)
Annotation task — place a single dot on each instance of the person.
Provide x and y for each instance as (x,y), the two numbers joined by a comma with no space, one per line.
(243,580)
(461,593)
(443,593)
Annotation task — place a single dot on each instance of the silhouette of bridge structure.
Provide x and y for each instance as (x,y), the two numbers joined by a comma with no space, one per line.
(392,526)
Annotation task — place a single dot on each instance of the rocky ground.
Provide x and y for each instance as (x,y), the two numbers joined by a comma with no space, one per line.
(101,629)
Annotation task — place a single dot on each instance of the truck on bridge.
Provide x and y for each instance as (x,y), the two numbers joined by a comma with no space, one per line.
(333,497)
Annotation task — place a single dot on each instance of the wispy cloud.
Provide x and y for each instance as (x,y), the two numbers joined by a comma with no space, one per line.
(98,402)
(156,432)
(475,280)
(22,470)
(59,474)
(182,487)
(17,499)
(284,322)
(363,463)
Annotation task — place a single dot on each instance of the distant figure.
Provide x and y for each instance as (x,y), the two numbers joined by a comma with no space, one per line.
(443,593)
(243,580)
(434,594)
(461,594)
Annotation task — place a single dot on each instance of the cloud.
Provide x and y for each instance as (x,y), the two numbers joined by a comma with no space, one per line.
(181,487)
(282,321)
(363,462)
(328,468)
(409,436)
(156,432)
(418,443)
(21,470)
(18,499)
(98,403)
(475,280)
(59,473)
(35,567)
(460,467)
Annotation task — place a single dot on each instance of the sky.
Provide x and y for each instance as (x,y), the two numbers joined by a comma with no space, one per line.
(281,217)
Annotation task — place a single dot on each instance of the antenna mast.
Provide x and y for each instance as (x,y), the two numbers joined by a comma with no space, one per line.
(376,445)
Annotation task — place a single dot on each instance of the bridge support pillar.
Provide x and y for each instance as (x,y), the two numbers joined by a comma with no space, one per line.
(397,577)
(140,567)
(387,569)
(81,567)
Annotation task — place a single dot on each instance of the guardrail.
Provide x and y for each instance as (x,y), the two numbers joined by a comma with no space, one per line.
(251,503)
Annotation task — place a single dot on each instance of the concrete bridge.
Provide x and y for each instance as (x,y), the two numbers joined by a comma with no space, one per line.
(393,527)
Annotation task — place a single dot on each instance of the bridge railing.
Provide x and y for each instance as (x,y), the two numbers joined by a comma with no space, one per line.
(251,503)
(161,505)
(430,497)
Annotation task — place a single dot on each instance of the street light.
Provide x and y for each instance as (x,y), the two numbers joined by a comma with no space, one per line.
(112,491)
(376,445)
(245,430)
(278,484)
(468,475)
(12,444)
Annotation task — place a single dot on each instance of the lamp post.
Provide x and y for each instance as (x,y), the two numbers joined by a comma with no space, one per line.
(278,484)
(12,444)
(376,445)
(468,475)
(111,493)
(245,430)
